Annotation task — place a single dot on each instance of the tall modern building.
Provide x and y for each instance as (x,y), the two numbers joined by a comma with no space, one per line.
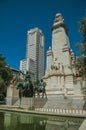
(24,65)
(34,61)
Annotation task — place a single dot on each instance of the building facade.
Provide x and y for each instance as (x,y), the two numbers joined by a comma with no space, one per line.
(34,62)
(24,65)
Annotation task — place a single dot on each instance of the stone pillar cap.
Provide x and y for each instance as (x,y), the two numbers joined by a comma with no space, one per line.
(58,14)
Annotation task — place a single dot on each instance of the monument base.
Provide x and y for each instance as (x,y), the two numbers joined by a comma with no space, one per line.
(59,101)
(25,102)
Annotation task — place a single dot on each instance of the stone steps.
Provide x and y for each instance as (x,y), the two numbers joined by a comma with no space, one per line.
(40,102)
(58,103)
(50,102)
(31,102)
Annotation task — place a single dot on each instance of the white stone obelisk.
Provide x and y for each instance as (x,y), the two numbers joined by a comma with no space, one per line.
(59,75)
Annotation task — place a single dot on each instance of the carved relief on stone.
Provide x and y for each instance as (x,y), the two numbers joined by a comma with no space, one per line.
(57,67)
(54,67)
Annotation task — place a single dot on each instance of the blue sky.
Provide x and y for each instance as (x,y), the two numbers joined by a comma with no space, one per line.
(19,16)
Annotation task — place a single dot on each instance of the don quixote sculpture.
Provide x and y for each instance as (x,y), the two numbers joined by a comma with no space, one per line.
(28,89)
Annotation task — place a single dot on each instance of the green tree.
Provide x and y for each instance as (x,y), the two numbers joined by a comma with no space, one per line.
(81,60)
(5,75)
(83,47)
(82,27)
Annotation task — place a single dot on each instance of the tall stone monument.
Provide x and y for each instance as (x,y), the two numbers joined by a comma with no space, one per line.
(59,74)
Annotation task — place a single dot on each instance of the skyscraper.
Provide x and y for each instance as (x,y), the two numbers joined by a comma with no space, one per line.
(34,54)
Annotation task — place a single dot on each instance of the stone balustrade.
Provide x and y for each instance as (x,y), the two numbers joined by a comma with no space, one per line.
(63,111)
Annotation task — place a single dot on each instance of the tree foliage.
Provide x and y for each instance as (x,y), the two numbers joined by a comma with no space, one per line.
(82,27)
(83,48)
(81,61)
(5,75)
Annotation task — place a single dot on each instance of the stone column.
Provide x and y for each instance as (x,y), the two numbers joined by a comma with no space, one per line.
(12,95)
(49,60)
(62,81)
(27,102)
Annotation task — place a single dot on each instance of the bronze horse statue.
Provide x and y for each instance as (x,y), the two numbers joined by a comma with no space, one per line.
(40,88)
(25,87)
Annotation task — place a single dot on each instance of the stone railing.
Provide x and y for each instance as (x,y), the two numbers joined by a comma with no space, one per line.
(63,111)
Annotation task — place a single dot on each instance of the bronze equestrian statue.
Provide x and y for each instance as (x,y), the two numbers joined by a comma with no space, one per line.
(25,87)
(40,88)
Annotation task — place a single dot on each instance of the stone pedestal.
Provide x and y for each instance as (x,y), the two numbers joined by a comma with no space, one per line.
(12,95)
(59,101)
(78,99)
(26,102)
